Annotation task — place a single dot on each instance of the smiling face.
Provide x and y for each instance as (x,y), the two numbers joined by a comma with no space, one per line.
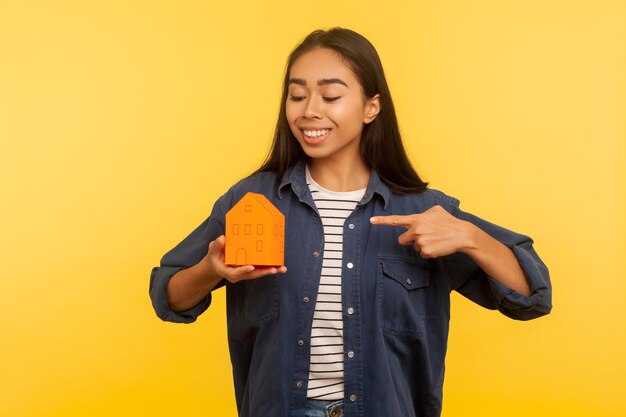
(326,108)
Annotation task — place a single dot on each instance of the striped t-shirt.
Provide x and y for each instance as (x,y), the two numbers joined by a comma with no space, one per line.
(326,370)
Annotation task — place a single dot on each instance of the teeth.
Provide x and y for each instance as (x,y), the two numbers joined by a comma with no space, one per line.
(316,133)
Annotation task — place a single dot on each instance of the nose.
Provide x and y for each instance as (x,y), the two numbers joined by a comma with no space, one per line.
(312,109)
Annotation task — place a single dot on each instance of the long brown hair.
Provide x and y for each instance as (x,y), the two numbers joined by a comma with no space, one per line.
(381,144)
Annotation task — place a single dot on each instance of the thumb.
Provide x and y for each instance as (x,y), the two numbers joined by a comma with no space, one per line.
(218,244)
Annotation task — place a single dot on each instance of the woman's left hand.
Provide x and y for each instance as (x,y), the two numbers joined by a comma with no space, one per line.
(433,233)
(436,232)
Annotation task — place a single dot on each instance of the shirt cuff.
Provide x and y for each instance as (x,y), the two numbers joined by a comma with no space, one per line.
(159,280)
(519,306)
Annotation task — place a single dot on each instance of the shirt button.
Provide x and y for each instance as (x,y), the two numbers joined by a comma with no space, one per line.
(408,281)
(353,398)
(351,226)
(300,342)
(350,310)
(316,254)
(299,384)
(306,299)
(350,265)
(351,354)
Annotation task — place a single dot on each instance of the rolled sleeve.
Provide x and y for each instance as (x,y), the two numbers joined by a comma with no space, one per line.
(519,306)
(186,254)
(159,280)
(470,280)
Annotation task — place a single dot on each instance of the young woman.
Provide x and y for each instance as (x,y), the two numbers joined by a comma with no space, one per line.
(356,321)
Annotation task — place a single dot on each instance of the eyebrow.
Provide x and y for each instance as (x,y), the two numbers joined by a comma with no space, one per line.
(324,81)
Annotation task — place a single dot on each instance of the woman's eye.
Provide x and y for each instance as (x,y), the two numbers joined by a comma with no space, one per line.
(300,98)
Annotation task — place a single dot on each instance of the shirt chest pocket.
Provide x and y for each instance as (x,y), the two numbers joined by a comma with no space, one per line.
(257,299)
(401,291)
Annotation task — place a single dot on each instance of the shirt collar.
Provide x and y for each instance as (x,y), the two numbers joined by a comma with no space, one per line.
(295,176)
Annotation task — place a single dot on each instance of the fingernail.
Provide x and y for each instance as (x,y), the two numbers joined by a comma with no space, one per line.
(373,219)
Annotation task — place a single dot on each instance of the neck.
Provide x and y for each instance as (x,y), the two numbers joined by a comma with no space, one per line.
(344,175)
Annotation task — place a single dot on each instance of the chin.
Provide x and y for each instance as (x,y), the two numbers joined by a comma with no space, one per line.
(315,154)
(313,151)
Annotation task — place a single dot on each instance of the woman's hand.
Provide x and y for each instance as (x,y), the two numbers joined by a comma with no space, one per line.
(436,232)
(433,233)
(215,262)
(189,286)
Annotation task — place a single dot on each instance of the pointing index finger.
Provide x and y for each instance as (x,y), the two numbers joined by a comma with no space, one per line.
(393,220)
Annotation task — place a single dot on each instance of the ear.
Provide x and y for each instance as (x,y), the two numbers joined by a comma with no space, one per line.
(372,108)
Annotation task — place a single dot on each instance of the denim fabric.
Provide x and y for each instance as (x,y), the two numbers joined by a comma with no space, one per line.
(396,336)
(320,408)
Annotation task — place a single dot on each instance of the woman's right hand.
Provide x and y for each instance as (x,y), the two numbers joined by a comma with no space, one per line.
(189,286)
(215,261)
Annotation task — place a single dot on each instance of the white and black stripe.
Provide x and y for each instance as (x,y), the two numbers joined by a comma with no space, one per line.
(326,370)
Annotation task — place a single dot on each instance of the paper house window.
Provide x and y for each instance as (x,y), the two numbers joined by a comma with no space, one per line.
(265,247)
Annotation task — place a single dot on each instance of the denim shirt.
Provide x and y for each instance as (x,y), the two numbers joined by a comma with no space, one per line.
(396,305)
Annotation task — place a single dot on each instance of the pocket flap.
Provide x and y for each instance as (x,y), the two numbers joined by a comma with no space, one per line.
(410,275)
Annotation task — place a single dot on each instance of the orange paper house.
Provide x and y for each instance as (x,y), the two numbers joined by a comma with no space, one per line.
(255,232)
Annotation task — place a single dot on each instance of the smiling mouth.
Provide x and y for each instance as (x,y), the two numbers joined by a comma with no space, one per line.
(315,133)
(315,136)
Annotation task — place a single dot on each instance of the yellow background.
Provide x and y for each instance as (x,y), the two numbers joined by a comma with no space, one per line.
(121,122)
